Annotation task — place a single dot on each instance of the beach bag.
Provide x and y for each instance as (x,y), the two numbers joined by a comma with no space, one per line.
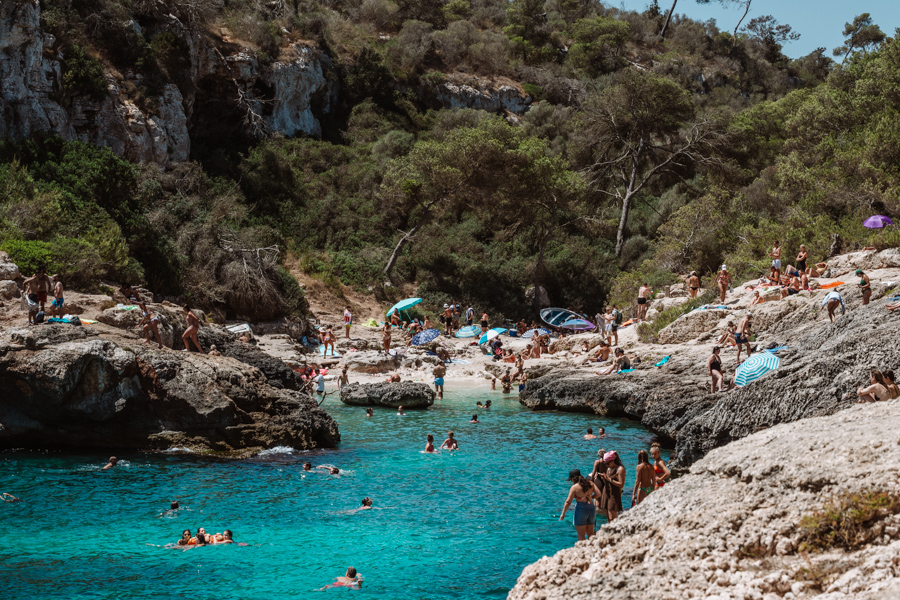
(39,317)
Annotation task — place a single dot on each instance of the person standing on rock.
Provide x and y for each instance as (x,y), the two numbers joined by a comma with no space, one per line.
(484,323)
(801,259)
(131,294)
(775,255)
(723,280)
(470,316)
(644,479)
(694,284)
(40,285)
(714,369)
(615,470)
(643,293)
(660,470)
(150,323)
(328,339)
(386,337)
(455,307)
(831,302)
(320,384)
(348,321)
(583,491)
(190,334)
(57,304)
(864,286)
(439,372)
(742,336)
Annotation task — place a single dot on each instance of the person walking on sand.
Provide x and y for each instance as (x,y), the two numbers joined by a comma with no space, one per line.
(644,479)
(149,323)
(694,283)
(742,336)
(714,369)
(57,304)
(439,371)
(190,334)
(348,321)
(643,293)
(864,286)
(723,280)
(584,492)
(775,255)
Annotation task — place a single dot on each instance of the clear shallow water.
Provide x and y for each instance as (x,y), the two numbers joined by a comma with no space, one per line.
(450,525)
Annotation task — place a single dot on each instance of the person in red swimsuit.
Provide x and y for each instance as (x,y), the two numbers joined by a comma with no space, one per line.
(659,467)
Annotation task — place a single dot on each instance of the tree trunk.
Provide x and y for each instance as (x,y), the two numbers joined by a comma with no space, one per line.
(536,301)
(744,16)
(402,243)
(630,191)
(662,34)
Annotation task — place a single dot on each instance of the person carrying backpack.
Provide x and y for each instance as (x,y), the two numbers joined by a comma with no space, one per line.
(614,326)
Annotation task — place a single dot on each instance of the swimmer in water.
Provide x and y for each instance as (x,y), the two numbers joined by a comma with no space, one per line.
(487,404)
(200,540)
(185,538)
(331,470)
(350,580)
(307,466)
(450,443)
(474,419)
(366,503)
(369,412)
(590,434)
(174,505)
(229,537)
(601,433)
(400,412)
(112,462)
(9,498)
(429,443)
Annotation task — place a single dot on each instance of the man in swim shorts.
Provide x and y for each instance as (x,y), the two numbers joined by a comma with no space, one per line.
(40,284)
(57,304)
(643,292)
(742,336)
(470,316)
(439,372)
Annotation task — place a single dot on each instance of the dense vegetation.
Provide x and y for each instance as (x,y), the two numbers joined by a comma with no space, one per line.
(641,159)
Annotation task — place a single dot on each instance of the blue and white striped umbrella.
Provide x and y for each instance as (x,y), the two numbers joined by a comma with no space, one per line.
(491,334)
(755,367)
(533,332)
(423,337)
(469,331)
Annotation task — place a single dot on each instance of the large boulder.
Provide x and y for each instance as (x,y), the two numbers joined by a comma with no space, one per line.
(8,289)
(742,523)
(371,362)
(67,386)
(574,342)
(405,394)
(691,326)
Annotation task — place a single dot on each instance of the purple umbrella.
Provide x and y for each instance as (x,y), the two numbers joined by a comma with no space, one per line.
(877,222)
(579,324)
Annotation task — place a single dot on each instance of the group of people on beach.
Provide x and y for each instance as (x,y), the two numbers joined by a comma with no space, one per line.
(35,293)
(601,492)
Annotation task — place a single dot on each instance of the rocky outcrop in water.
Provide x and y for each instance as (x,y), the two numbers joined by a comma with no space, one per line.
(71,386)
(405,394)
(751,520)
(820,372)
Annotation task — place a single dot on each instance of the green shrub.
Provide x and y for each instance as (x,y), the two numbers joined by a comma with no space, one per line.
(292,293)
(29,255)
(845,521)
(82,75)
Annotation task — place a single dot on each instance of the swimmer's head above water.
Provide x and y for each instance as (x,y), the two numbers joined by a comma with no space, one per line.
(366,501)
(307,466)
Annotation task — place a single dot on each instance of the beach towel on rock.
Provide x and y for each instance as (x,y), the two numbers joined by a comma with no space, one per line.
(826,286)
(662,362)
(626,370)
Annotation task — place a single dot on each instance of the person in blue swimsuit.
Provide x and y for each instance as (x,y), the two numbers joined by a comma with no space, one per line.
(583,491)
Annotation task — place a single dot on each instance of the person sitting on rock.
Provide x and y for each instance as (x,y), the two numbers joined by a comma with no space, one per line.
(792,288)
(213,351)
(757,299)
(877,391)
(601,354)
(131,294)
(621,363)
(395,378)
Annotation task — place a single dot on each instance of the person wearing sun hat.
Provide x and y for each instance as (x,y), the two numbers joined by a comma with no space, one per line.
(616,473)
(864,286)
(723,280)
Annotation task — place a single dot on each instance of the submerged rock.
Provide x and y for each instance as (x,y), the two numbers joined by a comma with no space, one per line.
(405,394)
(729,529)
(70,386)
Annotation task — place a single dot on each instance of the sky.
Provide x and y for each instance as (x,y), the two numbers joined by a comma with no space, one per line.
(819,22)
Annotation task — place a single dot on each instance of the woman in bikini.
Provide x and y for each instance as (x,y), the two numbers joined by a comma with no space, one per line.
(386,336)
(583,491)
(190,334)
(149,322)
(877,391)
(644,479)
(723,280)
(714,369)
(694,283)
(615,470)
(659,467)
(801,259)
(429,443)
(864,286)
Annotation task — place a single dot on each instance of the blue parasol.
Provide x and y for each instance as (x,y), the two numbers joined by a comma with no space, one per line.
(423,337)
(491,334)
(533,332)
(755,367)
(403,305)
(469,331)
(579,324)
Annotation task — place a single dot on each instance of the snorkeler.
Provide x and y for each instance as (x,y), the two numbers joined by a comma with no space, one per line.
(450,443)
(112,462)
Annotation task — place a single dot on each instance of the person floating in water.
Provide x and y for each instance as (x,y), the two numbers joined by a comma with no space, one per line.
(429,443)
(590,434)
(9,497)
(369,412)
(331,470)
(186,539)
(307,466)
(351,580)
(474,419)
(400,412)
(450,443)
(113,461)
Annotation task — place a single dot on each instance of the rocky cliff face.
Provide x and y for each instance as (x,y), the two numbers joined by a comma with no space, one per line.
(69,386)
(751,521)
(227,84)
(820,372)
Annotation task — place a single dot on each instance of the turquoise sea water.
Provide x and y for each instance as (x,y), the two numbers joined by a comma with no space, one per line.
(450,525)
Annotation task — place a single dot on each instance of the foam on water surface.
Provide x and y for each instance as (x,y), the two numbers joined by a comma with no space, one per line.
(448,525)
